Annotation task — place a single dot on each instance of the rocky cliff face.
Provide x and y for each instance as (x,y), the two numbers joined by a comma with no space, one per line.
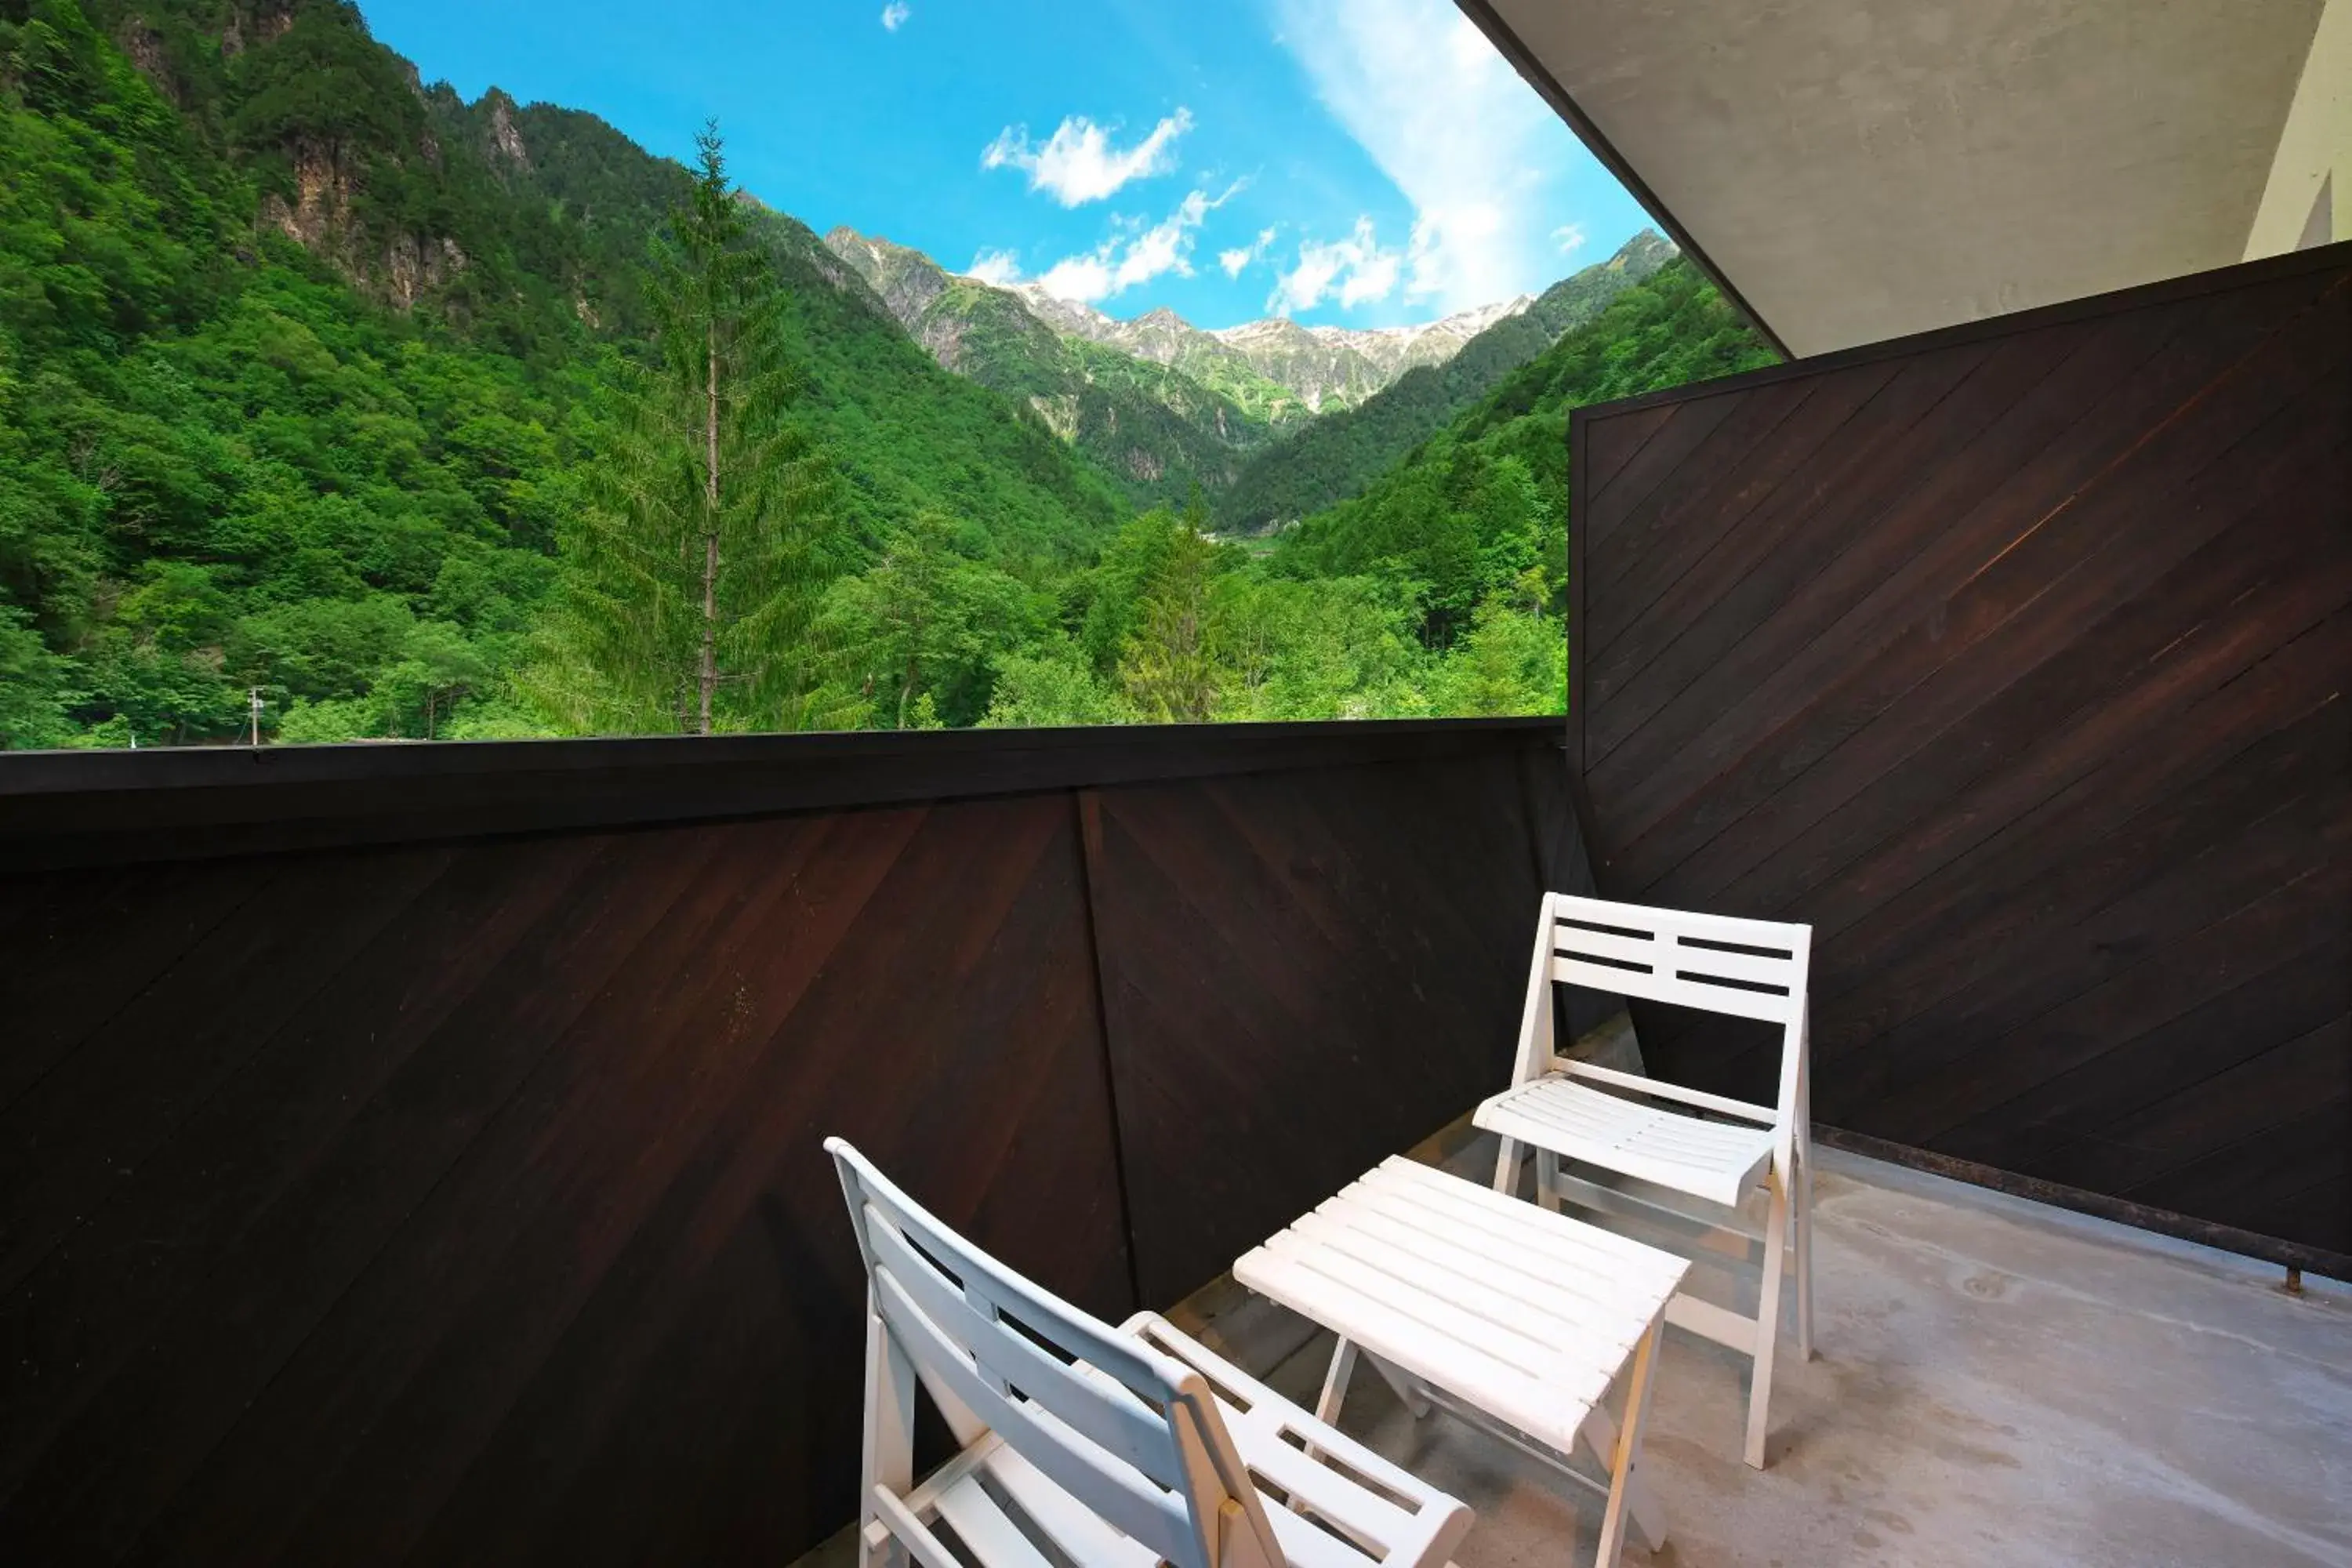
(506,143)
(1326,373)
(1393,351)
(1274,370)
(908,282)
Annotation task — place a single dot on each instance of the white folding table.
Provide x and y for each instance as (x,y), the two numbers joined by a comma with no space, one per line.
(1514,1318)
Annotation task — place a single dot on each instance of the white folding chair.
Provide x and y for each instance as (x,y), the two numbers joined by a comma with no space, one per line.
(1691,1143)
(1081,1444)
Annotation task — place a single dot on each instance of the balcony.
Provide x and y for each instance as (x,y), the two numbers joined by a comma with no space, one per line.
(413,1152)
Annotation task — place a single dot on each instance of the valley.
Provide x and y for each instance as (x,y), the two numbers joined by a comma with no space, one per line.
(315,382)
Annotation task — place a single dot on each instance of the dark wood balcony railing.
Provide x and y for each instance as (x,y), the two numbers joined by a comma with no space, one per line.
(415,1150)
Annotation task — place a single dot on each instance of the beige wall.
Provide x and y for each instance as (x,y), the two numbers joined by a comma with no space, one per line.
(2314,148)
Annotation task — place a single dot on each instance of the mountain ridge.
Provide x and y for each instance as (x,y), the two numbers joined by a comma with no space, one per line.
(1191,406)
(1157,430)
(1334,457)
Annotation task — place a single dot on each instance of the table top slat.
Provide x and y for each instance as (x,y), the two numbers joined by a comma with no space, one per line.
(1523,1223)
(1506,1391)
(1525,1313)
(1533,1284)
(1600,1347)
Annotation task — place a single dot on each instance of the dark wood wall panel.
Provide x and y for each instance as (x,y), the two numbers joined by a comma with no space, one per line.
(466,1203)
(1303,972)
(460,1198)
(2013,660)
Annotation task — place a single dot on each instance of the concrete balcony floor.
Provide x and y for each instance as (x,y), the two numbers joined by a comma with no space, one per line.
(1995,1381)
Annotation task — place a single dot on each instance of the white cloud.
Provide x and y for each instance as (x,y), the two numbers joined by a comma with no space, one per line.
(1453,128)
(1134,254)
(997,267)
(1078,164)
(894,16)
(1354,271)
(1235,260)
(1569,237)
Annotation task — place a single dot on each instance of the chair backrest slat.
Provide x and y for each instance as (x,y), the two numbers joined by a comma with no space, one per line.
(1130,1433)
(1100,1407)
(1771,1009)
(1160,1520)
(1752,969)
(1749,969)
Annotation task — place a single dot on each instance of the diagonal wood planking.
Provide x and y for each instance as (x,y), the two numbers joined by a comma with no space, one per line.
(462,1200)
(466,1203)
(1303,972)
(2014,661)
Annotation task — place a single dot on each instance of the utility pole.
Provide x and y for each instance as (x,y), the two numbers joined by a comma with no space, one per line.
(253,707)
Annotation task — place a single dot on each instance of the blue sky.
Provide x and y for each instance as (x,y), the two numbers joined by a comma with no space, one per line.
(1366,162)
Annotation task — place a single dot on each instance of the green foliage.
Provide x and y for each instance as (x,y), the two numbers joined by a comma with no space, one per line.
(317,382)
(34,691)
(693,568)
(1053,686)
(1168,664)
(1512,660)
(921,632)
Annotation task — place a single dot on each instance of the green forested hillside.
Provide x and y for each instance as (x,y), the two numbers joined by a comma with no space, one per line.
(309,378)
(1337,456)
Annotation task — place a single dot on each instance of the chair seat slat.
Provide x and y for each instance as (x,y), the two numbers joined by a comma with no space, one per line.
(1603,1119)
(1371,1520)
(1262,1420)
(1080,1533)
(1588,1113)
(1306,1545)
(1720,1178)
(991,1536)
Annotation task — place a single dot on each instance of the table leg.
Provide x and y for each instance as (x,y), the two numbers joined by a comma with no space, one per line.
(1335,1383)
(1407,1391)
(1642,1505)
(1628,1445)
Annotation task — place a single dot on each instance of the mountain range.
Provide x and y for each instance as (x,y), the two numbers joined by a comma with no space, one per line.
(1168,407)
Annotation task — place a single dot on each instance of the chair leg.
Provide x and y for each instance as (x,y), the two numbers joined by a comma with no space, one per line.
(1803,1216)
(1628,1447)
(1547,1179)
(888,1450)
(1768,1316)
(1506,1168)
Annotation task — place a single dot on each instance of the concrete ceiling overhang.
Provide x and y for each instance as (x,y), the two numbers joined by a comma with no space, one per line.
(1858,170)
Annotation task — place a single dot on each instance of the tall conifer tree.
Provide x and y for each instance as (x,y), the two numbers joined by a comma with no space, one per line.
(691,575)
